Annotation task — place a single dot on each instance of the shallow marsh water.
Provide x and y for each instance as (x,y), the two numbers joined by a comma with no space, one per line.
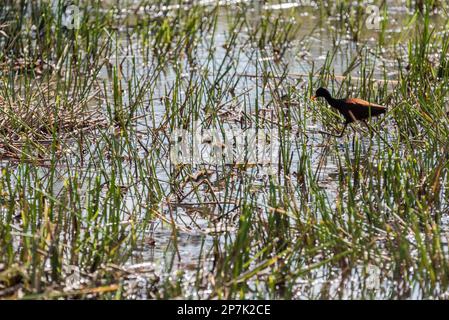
(236,232)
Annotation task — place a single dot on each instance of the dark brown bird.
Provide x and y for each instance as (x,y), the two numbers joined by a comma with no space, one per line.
(352,109)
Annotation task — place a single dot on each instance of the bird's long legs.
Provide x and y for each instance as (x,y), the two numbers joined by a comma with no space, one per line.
(346,124)
(371,129)
(336,135)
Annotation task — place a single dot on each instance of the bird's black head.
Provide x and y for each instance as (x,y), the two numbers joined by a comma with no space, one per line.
(322,93)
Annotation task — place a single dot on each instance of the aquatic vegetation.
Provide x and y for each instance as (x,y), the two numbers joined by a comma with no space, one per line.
(93,205)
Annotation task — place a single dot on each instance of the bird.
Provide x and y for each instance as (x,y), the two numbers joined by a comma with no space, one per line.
(352,109)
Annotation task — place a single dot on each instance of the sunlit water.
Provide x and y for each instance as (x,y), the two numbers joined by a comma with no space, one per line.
(162,255)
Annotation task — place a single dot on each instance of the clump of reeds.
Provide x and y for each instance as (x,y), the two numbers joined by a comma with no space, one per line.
(36,125)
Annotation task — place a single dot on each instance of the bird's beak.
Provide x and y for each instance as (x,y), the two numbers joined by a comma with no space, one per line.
(313,98)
